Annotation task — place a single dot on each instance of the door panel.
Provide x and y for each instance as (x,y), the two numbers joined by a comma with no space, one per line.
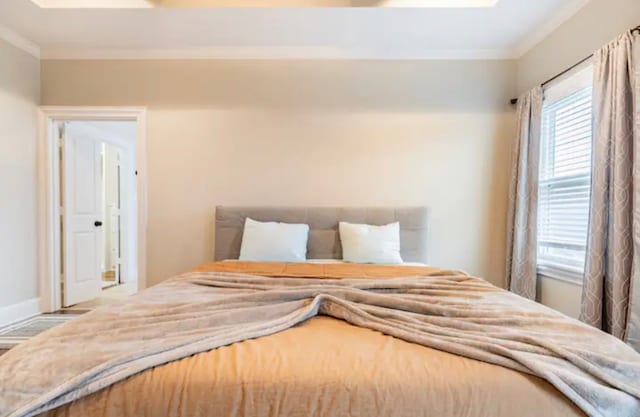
(85,182)
(84,246)
(83,197)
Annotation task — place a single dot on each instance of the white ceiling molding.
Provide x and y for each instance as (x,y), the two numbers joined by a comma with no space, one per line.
(544,30)
(12,37)
(269,53)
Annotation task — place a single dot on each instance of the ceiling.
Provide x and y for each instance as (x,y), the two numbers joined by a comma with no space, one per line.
(503,31)
(89,4)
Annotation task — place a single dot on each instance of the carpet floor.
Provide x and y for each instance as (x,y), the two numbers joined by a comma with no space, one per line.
(17,333)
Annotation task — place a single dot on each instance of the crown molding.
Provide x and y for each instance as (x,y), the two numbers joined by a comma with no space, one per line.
(12,37)
(544,30)
(251,52)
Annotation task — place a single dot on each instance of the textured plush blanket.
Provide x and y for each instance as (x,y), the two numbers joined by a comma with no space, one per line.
(200,311)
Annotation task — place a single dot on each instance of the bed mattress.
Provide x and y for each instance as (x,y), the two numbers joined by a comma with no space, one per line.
(324,367)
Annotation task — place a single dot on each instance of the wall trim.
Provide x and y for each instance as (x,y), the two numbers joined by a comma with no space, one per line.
(241,52)
(49,208)
(550,25)
(12,37)
(20,311)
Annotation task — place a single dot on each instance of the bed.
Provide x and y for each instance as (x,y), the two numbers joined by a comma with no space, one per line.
(319,365)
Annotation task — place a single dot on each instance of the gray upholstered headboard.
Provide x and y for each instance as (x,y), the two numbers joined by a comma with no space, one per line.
(324,241)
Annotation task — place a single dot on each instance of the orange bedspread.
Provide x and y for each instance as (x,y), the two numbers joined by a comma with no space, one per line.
(324,368)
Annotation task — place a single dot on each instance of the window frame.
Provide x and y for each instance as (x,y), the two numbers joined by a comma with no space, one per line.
(574,82)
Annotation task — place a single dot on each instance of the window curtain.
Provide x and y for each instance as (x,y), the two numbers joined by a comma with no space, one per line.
(523,197)
(611,288)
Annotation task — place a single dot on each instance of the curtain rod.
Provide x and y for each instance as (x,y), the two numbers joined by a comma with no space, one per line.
(560,74)
(582,61)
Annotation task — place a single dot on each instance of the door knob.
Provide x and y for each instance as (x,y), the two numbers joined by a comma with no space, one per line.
(97,223)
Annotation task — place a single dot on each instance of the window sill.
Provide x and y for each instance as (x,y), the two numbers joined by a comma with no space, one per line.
(576,282)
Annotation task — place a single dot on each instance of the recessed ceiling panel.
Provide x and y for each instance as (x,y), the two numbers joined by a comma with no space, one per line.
(135,4)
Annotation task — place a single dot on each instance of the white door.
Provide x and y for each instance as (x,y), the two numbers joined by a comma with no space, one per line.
(114,250)
(111,161)
(82,216)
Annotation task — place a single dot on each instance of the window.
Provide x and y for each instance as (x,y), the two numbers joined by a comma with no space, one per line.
(565,176)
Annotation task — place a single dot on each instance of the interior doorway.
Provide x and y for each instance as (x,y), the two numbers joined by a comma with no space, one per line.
(93,200)
(112,224)
(96,191)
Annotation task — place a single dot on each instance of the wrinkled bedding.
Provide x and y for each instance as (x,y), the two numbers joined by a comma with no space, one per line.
(151,355)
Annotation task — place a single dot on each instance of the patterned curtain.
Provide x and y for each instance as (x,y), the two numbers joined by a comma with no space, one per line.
(611,299)
(523,197)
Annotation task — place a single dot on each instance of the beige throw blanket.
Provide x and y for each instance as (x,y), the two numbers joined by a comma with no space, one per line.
(200,311)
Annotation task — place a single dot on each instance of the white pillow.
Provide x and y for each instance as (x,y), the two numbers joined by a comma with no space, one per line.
(367,244)
(274,242)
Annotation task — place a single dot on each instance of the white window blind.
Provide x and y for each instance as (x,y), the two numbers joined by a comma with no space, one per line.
(565,176)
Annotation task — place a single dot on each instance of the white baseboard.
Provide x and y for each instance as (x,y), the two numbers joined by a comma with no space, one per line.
(19,311)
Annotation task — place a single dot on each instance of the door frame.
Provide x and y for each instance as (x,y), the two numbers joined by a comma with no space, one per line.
(49,191)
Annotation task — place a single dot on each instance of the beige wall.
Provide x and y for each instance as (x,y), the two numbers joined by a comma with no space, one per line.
(313,133)
(19,97)
(596,24)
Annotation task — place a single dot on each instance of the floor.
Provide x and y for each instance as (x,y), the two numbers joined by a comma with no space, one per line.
(109,279)
(108,296)
(19,332)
